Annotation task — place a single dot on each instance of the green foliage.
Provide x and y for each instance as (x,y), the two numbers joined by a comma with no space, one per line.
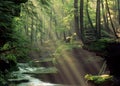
(45,2)
(8,10)
(11,39)
(5,46)
(11,42)
(98,79)
(20,42)
(2,80)
(11,57)
(99,45)
(7,56)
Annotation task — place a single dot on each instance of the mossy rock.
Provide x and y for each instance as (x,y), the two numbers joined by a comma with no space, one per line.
(98,45)
(100,80)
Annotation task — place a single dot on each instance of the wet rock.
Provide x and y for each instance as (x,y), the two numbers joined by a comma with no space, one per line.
(17,81)
(40,70)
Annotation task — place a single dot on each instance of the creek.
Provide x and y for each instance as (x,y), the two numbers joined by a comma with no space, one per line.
(28,76)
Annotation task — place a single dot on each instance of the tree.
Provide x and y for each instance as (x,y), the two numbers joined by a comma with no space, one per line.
(76,18)
(112,24)
(9,10)
(82,20)
(98,20)
(88,15)
(118,1)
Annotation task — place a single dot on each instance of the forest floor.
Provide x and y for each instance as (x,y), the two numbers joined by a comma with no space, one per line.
(72,64)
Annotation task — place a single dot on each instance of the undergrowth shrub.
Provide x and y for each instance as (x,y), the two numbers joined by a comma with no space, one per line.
(98,45)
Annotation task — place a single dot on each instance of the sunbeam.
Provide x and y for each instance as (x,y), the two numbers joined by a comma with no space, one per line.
(72,63)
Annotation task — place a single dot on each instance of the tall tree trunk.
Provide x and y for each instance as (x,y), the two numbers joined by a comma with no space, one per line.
(81,20)
(89,19)
(32,30)
(26,27)
(98,26)
(105,18)
(50,26)
(64,35)
(76,18)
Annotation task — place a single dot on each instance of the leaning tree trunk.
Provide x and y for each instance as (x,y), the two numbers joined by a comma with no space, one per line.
(114,29)
(105,18)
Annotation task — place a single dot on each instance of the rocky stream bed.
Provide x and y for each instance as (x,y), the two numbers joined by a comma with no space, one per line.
(32,74)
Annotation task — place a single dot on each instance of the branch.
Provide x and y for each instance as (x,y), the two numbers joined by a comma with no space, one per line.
(7,50)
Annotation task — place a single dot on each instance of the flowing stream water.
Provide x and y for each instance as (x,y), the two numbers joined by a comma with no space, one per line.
(25,76)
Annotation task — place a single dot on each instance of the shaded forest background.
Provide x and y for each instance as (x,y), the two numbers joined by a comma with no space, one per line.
(26,25)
